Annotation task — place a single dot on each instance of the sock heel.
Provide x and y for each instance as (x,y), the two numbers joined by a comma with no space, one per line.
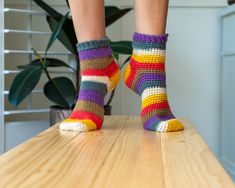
(114,78)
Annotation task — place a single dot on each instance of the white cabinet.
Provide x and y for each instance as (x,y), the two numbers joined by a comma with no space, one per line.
(227,154)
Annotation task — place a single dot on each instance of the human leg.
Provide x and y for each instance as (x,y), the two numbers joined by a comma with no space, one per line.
(99,71)
(145,74)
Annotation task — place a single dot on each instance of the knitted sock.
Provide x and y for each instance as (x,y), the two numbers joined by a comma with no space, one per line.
(145,75)
(100,74)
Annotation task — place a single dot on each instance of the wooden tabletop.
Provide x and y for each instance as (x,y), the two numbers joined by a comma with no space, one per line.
(120,155)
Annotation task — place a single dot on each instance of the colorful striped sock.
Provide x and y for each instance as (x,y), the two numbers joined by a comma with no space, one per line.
(100,74)
(145,75)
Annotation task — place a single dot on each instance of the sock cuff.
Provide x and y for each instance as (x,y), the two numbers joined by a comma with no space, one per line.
(93,44)
(139,37)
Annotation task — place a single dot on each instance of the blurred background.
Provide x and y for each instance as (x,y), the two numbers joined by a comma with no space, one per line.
(200,53)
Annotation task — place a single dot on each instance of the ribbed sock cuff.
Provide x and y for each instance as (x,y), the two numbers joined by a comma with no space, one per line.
(146,42)
(93,44)
(94,49)
(138,37)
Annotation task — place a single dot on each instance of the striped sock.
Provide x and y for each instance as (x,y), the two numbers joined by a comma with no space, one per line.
(100,74)
(145,75)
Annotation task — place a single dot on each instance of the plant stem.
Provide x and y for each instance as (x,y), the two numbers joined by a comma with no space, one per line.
(48,75)
(77,74)
(110,98)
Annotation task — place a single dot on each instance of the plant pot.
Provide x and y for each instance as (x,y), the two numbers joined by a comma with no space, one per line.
(107,110)
(230,2)
(58,113)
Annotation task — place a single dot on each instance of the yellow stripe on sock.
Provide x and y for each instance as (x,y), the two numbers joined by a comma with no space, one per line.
(71,120)
(149,58)
(153,99)
(174,125)
(90,125)
(115,79)
(127,72)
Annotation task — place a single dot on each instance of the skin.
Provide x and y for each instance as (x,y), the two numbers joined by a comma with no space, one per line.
(151,16)
(89,19)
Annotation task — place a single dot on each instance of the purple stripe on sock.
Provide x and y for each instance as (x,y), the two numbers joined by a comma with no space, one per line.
(91,95)
(148,78)
(95,53)
(150,38)
(166,117)
(153,122)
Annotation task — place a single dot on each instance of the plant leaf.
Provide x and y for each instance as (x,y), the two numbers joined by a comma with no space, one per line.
(122,47)
(57,31)
(23,84)
(36,62)
(53,62)
(116,56)
(67,34)
(47,8)
(50,62)
(113,13)
(61,91)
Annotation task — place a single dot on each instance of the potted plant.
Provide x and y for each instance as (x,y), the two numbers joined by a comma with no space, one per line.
(61,90)
(230,2)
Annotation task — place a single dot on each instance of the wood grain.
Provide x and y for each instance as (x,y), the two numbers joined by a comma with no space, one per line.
(122,154)
(188,161)
(134,160)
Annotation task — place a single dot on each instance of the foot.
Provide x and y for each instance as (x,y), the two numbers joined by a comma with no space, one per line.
(145,75)
(100,74)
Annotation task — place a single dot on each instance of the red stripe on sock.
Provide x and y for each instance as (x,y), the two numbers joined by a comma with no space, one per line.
(112,69)
(138,65)
(79,114)
(108,71)
(162,105)
(131,76)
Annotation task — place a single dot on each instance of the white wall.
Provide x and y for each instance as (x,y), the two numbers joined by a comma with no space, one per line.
(193,66)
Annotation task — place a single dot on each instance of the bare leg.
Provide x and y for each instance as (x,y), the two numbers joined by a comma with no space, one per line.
(145,74)
(88,19)
(99,72)
(151,16)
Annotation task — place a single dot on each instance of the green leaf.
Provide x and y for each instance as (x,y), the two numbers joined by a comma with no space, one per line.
(122,47)
(110,10)
(113,13)
(67,34)
(50,62)
(47,8)
(61,91)
(53,62)
(116,56)
(57,31)
(23,84)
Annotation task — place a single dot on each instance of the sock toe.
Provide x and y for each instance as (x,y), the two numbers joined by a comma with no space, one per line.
(73,126)
(171,125)
(78,125)
(174,125)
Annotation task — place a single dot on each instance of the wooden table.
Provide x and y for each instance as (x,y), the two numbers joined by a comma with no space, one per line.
(120,155)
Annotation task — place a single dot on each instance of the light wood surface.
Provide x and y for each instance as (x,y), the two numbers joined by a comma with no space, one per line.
(122,154)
